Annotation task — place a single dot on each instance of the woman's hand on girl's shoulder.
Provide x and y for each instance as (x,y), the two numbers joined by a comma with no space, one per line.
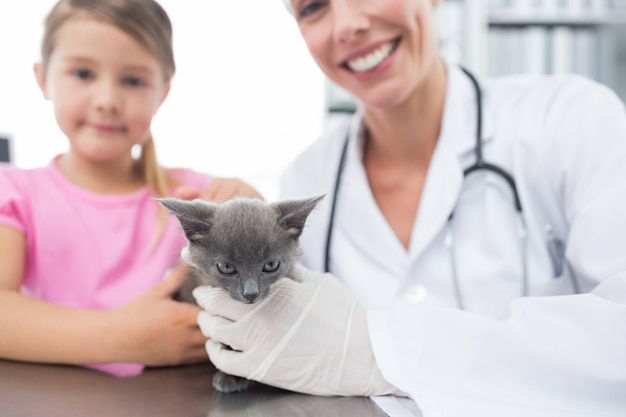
(219,190)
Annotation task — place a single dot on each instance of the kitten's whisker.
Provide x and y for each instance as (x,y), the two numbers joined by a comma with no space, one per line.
(223,297)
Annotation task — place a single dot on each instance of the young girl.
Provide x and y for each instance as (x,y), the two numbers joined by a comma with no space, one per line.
(84,247)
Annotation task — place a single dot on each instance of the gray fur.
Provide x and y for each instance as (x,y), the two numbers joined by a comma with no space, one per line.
(255,239)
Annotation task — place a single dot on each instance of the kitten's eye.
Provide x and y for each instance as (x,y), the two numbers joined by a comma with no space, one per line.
(226,269)
(271,266)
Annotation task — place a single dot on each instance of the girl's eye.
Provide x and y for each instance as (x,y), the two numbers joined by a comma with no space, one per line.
(83,74)
(309,8)
(226,269)
(133,82)
(271,266)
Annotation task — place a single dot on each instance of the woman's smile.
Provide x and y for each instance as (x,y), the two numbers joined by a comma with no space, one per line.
(368,61)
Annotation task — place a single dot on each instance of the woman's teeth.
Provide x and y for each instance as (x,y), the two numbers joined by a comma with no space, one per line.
(371,60)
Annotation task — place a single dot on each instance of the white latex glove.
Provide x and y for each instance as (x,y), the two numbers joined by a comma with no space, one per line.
(309,336)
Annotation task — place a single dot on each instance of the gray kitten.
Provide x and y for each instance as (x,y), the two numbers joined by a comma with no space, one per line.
(243,245)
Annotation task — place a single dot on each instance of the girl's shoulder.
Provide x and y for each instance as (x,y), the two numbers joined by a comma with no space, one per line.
(19,190)
(23,181)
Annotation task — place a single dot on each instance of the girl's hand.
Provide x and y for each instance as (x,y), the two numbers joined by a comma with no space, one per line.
(219,190)
(158,331)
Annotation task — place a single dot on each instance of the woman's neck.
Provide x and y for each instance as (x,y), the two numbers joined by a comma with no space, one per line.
(410,130)
(120,177)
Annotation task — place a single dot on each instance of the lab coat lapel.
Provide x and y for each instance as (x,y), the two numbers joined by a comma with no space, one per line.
(362,220)
(443,184)
(453,152)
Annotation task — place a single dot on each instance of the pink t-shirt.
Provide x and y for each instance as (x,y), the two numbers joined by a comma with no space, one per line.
(89,250)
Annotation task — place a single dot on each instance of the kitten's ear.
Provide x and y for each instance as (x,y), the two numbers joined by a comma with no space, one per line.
(194,216)
(292,214)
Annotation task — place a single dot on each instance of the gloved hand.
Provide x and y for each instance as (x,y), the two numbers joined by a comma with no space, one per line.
(309,336)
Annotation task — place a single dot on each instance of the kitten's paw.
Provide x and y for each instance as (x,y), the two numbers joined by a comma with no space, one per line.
(229,383)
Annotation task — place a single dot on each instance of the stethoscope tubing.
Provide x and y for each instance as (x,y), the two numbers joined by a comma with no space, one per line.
(333,204)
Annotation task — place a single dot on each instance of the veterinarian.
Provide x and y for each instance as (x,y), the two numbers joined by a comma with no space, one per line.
(475,227)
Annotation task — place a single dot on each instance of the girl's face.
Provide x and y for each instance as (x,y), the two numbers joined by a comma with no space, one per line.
(378,50)
(105,88)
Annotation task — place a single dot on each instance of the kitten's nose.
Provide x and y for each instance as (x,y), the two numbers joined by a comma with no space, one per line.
(251,290)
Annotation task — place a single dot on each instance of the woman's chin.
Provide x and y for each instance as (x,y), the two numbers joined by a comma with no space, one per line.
(384,97)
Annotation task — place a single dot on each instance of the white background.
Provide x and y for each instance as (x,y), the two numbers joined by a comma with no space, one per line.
(245,100)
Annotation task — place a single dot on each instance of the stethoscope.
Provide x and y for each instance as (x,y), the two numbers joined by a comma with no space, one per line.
(479,165)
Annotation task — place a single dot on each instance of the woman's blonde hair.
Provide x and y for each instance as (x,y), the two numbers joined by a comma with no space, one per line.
(147,23)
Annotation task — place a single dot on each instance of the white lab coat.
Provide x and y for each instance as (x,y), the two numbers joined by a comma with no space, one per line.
(564,141)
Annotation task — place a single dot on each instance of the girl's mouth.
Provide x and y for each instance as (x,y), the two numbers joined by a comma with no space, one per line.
(105,128)
(372,59)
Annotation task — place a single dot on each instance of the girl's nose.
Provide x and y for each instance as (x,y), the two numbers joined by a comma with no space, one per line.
(107,97)
(350,20)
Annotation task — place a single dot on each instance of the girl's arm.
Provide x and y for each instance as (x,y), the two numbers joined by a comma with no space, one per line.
(152,329)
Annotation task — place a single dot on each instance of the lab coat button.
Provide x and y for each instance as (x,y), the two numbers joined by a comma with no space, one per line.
(415,294)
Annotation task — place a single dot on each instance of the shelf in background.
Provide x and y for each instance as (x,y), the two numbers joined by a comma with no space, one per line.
(508,18)
(5,149)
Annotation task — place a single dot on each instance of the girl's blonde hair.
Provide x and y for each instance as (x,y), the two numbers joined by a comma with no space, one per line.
(147,23)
